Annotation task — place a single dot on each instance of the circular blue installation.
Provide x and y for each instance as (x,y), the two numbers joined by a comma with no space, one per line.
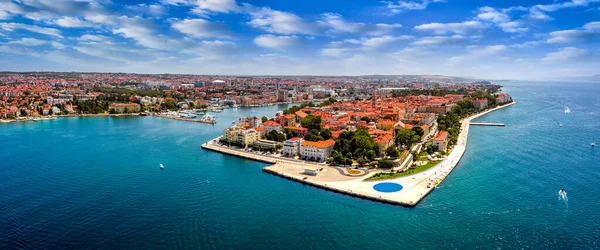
(387,187)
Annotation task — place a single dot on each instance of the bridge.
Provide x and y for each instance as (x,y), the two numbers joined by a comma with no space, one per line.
(487,124)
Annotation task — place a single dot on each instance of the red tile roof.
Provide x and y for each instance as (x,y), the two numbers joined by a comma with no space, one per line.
(319,144)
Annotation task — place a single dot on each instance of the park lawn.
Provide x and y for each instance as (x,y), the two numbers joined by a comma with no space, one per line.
(422,156)
(410,171)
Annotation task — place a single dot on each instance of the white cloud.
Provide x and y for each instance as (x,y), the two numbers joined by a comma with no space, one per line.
(155,10)
(463,28)
(501,19)
(70,22)
(278,22)
(29,42)
(589,32)
(101,19)
(201,28)
(476,52)
(375,42)
(57,45)
(31,28)
(204,7)
(568,54)
(443,40)
(95,38)
(336,23)
(143,32)
(334,52)
(277,42)
(490,14)
(529,44)
(513,27)
(402,5)
(9,9)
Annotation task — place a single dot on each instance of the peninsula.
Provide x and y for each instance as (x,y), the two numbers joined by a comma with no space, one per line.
(392,148)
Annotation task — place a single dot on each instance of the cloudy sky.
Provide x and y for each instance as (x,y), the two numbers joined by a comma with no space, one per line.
(495,39)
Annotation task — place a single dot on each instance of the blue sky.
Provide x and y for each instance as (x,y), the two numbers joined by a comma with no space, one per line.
(489,39)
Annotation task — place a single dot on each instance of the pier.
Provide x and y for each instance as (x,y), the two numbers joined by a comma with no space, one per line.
(187,119)
(487,124)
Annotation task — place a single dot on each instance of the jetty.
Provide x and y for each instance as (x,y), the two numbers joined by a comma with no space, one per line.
(487,124)
(187,119)
(413,187)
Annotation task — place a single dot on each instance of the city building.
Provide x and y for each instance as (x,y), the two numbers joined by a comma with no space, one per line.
(503,98)
(271,125)
(480,104)
(440,141)
(126,107)
(316,151)
(291,147)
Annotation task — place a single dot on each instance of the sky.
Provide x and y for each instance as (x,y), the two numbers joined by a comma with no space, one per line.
(491,39)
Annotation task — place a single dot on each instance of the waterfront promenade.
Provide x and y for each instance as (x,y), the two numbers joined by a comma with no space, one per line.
(414,187)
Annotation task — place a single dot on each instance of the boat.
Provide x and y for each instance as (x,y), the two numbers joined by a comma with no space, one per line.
(567,110)
(161,166)
(232,122)
(208,118)
(593,143)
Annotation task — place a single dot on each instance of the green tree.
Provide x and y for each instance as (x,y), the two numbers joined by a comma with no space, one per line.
(313,135)
(386,163)
(391,151)
(418,131)
(290,133)
(291,110)
(366,119)
(404,137)
(311,122)
(326,134)
(275,135)
(264,119)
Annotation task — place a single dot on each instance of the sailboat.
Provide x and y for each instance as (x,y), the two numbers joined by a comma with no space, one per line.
(593,143)
(567,110)
(161,166)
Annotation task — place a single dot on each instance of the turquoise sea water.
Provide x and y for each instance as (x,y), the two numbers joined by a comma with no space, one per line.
(95,183)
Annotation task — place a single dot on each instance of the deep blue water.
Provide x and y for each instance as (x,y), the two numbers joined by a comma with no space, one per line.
(95,183)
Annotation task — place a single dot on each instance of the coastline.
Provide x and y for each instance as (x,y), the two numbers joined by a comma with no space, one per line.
(42,118)
(415,187)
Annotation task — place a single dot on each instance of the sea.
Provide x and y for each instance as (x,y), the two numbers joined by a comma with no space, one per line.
(95,183)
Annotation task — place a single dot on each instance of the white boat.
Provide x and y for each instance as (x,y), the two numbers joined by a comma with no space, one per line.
(232,122)
(593,143)
(567,110)
(161,166)
(208,118)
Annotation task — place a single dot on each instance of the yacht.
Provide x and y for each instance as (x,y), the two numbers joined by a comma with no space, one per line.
(567,110)
(161,166)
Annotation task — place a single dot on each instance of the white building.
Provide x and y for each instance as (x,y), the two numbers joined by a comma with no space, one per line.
(291,147)
(316,151)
